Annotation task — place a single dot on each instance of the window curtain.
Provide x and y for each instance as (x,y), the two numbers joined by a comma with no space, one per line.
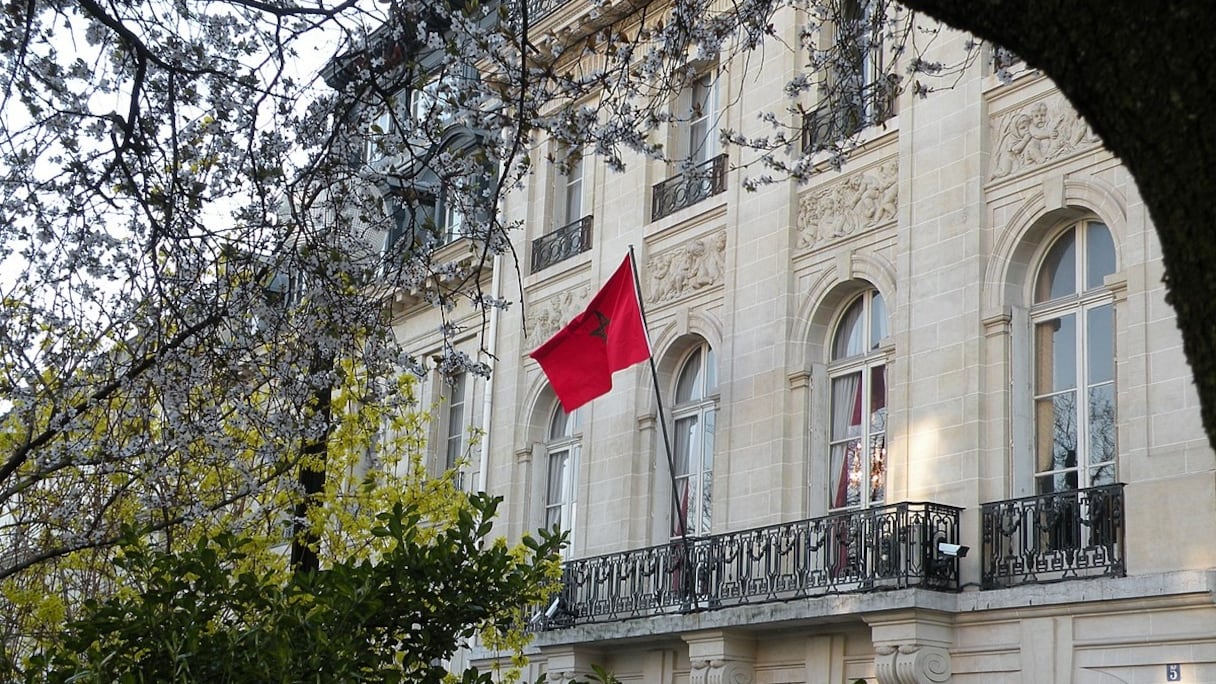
(846,428)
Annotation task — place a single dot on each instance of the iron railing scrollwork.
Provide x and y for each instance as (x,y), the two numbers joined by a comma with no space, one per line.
(1053,537)
(847,112)
(891,547)
(571,239)
(686,189)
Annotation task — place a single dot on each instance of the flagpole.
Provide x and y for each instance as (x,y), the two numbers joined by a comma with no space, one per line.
(681,515)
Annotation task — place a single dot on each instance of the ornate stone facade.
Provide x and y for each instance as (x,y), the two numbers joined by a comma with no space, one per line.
(911,664)
(1035,134)
(858,202)
(552,313)
(696,265)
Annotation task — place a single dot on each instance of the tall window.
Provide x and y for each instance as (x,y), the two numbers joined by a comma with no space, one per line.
(1074,362)
(572,189)
(694,413)
(702,115)
(451,218)
(858,373)
(857,90)
(564,445)
(859,39)
(454,428)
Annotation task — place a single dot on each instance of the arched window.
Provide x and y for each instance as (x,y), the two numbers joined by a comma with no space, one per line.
(1074,361)
(563,446)
(694,413)
(858,430)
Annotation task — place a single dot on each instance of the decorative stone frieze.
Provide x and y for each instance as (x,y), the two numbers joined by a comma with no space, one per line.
(693,266)
(549,315)
(860,201)
(911,664)
(1036,134)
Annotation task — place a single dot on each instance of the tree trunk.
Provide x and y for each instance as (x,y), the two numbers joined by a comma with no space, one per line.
(312,467)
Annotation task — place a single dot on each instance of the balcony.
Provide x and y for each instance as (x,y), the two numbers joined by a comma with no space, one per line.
(700,182)
(569,240)
(846,114)
(892,547)
(1054,537)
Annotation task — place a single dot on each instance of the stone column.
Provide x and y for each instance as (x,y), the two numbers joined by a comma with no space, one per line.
(564,664)
(720,657)
(912,647)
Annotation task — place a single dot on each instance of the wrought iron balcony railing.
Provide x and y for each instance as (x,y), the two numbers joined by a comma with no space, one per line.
(879,548)
(1053,537)
(846,113)
(563,243)
(701,181)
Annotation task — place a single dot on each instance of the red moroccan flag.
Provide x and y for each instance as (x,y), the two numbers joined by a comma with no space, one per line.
(609,336)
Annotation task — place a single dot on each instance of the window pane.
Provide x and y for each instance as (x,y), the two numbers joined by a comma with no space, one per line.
(574,191)
(707,445)
(878,438)
(846,474)
(878,468)
(681,506)
(558,486)
(455,431)
(711,373)
(1056,432)
(1099,255)
(878,320)
(707,508)
(848,339)
(1056,482)
(1100,344)
(686,388)
(1058,274)
(1055,354)
(701,143)
(563,424)
(846,406)
(1102,423)
(686,444)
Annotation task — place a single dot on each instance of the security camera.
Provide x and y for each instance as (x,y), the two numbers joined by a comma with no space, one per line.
(553,607)
(952,550)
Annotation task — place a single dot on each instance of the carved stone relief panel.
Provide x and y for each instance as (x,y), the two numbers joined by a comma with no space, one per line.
(1035,134)
(855,203)
(693,266)
(548,316)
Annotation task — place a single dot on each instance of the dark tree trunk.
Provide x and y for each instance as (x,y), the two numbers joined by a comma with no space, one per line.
(1144,76)
(312,468)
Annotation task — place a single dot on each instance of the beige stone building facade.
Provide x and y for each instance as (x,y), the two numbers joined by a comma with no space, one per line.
(959,338)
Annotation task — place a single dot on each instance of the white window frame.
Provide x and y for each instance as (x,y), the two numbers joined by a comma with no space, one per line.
(563,448)
(570,188)
(1081,305)
(847,441)
(457,419)
(694,419)
(702,108)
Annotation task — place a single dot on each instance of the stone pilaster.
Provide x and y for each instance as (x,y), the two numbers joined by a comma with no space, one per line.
(564,664)
(720,657)
(912,647)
